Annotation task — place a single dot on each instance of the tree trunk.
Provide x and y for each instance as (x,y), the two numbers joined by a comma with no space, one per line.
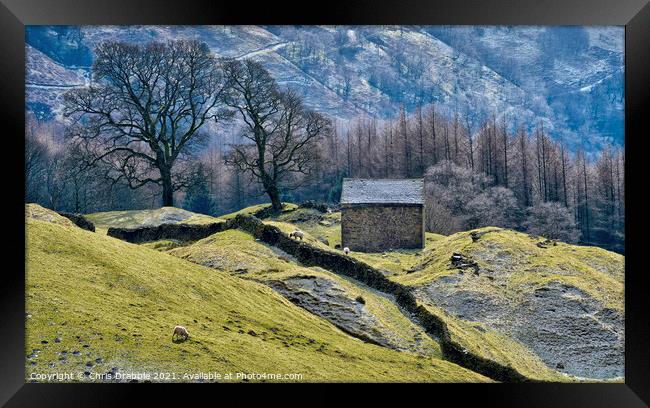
(274,195)
(584,170)
(168,190)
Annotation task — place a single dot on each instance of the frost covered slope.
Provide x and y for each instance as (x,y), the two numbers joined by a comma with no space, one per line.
(572,79)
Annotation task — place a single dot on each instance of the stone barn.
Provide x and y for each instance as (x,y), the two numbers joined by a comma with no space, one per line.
(378,215)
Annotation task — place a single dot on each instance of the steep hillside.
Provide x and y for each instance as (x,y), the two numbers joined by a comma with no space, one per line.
(98,305)
(569,78)
(564,303)
(354,308)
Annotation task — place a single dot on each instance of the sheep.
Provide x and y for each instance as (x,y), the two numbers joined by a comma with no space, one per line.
(329,210)
(297,234)
(346,250)
(180,331)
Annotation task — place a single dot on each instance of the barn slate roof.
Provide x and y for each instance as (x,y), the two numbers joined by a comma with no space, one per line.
(382,191)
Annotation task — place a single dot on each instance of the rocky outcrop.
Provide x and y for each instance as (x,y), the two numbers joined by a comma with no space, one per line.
(461,262)
(79,220)
(327,299)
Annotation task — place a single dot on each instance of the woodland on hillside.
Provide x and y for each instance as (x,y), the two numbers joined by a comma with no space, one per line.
(132,139)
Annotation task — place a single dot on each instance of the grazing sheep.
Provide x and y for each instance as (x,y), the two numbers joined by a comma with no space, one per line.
(329,210)
(297,234)
(346,250)
(180,331)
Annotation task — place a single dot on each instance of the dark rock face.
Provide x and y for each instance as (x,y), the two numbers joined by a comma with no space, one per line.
(330,301)
(476,235)
(561,324)
(79,220)
(460,261)
(546,243)
(180,232)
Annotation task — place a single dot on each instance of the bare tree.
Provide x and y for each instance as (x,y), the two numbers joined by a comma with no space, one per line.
(420,131)
(283,135)
(470,141)
(432,124)
(35,159)
(504,132)
(525,180)
(145,107)
(404,134)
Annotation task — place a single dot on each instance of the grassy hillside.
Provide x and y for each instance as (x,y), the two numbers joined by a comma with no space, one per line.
(564,302)
(95,304)
(552,311)
(516,300)
(322,292)
(36,212)
(596,271)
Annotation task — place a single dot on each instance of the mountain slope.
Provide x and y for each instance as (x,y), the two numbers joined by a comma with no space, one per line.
(98,305)
(569,78)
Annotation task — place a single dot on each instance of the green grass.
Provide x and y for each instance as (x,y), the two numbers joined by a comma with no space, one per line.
(35,211)
(597,272)
(122,300)
(238,253)
(522,265)
(232,251)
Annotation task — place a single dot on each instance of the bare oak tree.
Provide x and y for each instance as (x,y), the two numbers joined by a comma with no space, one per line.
(281,135)
(144,108)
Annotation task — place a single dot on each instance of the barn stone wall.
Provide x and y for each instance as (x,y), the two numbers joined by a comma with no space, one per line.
(380,227)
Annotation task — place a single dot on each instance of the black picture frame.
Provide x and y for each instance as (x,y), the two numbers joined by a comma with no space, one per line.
(633,14)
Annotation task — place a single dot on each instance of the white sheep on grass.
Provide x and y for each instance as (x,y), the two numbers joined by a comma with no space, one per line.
(180,331)
(346,250)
